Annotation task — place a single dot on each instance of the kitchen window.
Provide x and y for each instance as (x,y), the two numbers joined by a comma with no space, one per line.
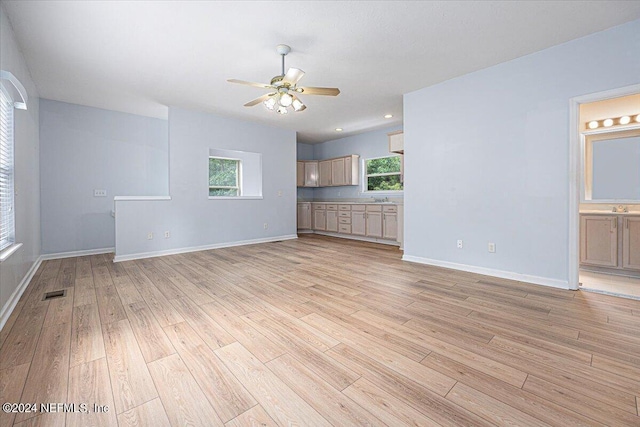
(224,177)
(383,174)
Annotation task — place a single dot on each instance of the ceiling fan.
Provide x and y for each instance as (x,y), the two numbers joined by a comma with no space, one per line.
(285,88)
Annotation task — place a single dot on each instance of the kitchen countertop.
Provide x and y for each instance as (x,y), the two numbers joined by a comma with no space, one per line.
(349,203)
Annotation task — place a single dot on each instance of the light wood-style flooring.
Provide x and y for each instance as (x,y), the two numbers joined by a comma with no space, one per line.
(316,331)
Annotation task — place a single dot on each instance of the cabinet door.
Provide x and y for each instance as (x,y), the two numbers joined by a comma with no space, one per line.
(631,243)
(332,221)
(304,216)
(310,174)
(599,240)
(358,223)
(300,174)
(324,179)
(319,219)
(374,224)
(338,172)
(390,226)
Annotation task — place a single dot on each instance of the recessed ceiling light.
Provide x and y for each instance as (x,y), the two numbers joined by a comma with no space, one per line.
(338,129)
(388,116)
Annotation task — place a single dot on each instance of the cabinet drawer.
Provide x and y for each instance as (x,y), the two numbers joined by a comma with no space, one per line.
(332,207)
(344,228)
(358,208)
(389,209)
(344,220)
(344,207)
(374,208)
(344,214)
(319,206)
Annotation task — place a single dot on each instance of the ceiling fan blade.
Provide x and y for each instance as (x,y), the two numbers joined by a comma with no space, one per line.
(242,82)
(259,100)
(328,91)
(293,76)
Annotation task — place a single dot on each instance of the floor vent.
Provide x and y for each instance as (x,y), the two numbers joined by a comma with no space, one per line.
(55,294)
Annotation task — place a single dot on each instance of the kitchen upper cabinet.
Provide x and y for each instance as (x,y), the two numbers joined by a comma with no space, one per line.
(599,240)
(324,179)
(396,142)
(338,176)
(304,216)
(300,174)
(631,243)
(311,174)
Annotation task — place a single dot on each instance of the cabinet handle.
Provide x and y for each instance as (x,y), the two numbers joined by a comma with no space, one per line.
(626,223)
(615,223)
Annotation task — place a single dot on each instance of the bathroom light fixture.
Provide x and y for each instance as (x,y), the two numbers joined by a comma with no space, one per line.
(388,116)
(613,121)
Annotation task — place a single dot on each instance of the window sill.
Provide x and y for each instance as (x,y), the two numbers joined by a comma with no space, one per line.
(235,197)
(8,251)
(378,193)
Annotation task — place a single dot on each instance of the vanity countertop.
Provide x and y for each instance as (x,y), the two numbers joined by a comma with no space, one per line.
(608,213)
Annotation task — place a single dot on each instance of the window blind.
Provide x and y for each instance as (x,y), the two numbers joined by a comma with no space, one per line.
(7,211)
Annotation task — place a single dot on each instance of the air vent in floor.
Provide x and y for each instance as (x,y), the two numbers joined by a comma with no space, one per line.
(55,294)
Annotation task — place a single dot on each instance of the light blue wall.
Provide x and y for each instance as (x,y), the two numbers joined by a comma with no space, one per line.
(85,148)
(366,145)
(487,155)
(191,217)
(14,269)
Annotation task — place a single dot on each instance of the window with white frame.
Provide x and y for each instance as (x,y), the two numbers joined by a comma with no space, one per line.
(224,177)
(383,174)
(7,211)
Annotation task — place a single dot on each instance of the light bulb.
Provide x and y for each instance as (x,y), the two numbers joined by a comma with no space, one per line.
(282,110)
(285,99)
(270,103)
(388,116)
(593,125)
(638,118)
(298,105)
(624,120)
(338,129)
(607,123)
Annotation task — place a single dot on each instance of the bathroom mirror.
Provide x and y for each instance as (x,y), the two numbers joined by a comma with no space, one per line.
(612,167)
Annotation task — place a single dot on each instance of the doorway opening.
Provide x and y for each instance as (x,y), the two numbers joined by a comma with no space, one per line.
(604,232)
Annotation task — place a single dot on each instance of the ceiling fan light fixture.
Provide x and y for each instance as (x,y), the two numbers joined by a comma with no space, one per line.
(270,103)
(282,110)
(285,99)
(298,105)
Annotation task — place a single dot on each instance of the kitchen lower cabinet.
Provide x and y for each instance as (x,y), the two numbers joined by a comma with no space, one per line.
(304,216)
(358,223)
(390,225)
(332,218)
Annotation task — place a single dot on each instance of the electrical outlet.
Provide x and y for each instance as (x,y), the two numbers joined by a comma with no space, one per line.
(149,236)
(459,244)
(266,225)
(491,247)
(99,193)
(167,234)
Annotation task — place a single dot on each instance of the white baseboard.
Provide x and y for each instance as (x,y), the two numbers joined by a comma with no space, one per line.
(142,255)
(545,281)
(61,255)
(17,293)
(361,238)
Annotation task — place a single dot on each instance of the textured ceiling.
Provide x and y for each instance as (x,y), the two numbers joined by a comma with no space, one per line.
(140,57)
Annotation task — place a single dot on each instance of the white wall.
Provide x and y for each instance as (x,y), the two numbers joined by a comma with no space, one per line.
(85,148)
(14,270)
(487,156)
(366,145)
(192,219)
